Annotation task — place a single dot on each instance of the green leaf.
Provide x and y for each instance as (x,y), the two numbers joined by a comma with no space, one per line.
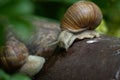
(3,2)
(4,76)
(20,77)
(102,28)
(21,27)
(14,7)
(2,34)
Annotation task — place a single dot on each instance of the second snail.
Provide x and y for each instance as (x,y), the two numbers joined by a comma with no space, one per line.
(17,55)
(14,57)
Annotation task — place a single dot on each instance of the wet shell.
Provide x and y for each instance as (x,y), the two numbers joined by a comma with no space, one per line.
(13,55)
(81,15)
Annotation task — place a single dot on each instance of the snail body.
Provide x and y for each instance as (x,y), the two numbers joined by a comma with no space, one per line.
(67,38)
(33,65)
(79,22)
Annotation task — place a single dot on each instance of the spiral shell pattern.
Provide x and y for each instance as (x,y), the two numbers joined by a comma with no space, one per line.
(81,15)
(13,55)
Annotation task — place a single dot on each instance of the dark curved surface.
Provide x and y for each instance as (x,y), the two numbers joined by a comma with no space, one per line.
(88,59)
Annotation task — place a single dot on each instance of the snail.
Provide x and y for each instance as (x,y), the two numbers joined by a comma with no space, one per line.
(14,57)
(13,54)
(45,33)
(79,22)
(28,57)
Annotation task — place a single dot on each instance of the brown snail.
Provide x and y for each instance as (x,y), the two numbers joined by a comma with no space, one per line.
(79,21)
(14,57)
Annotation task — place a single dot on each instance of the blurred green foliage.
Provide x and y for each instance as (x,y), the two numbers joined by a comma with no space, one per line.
(102,28)
(13,13)
(5,76)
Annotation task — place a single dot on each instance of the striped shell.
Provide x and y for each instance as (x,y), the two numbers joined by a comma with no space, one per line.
(80,16)
(13,55)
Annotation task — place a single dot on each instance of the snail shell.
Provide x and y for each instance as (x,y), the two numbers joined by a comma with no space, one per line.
(45,34)
(80,16)
(13,55)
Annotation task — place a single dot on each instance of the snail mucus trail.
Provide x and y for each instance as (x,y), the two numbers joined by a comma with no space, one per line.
(79,22)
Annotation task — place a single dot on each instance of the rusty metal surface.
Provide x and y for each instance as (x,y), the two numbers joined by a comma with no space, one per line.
(88,59)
